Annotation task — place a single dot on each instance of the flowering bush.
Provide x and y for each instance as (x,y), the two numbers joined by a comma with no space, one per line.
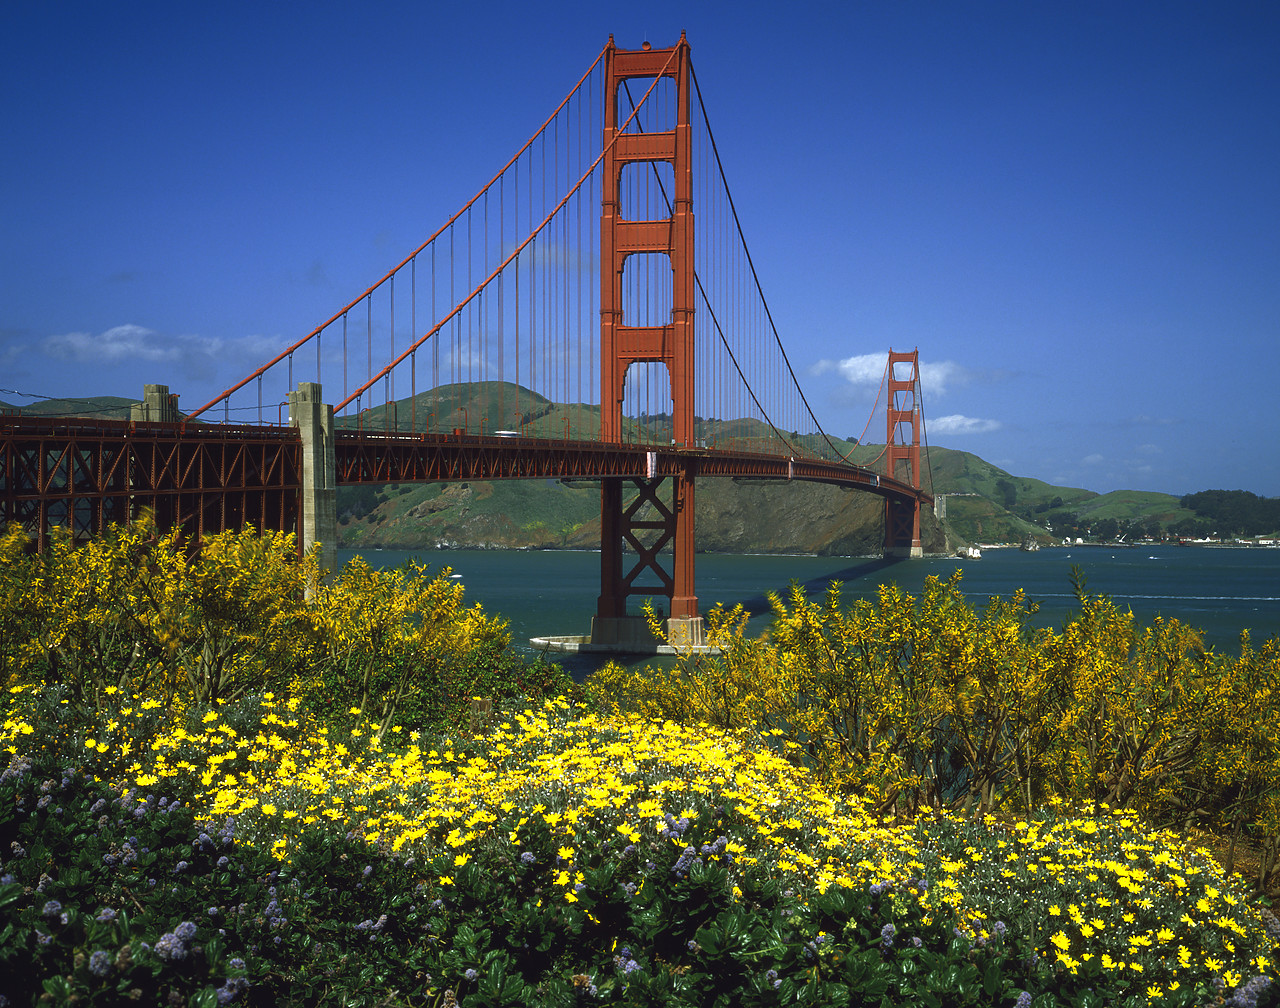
(570,859)
(138,618)
(251,843)
(915,703)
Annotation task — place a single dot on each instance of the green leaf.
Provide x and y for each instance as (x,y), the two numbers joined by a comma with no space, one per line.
(9,893)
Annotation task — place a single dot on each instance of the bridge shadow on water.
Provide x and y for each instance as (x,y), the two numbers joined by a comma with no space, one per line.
(758,605)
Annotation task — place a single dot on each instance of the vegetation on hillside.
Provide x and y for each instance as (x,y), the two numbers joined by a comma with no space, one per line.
(1234,512)
(103,407)
(210,801)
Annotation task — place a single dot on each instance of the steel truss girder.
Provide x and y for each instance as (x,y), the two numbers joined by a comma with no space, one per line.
(89,473)
(86,474)
(369,457)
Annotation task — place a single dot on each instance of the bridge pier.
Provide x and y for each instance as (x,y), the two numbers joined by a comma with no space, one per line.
(158,405)
(612,628)
(318,513)
(902,530)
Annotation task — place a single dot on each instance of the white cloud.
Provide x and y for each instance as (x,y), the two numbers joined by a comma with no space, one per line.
(1094,459)
(123,342)
(957,423)
(194,356)
(867,370)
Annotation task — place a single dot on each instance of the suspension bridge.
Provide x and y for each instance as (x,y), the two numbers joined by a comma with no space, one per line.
(593,313)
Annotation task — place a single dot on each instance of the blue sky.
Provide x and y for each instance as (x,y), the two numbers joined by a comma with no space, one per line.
(1071,209)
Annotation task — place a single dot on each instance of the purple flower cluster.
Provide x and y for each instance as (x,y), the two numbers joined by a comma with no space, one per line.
(625,962)
(886,936)
(1271,922)
(232,986)
(1248,993)
(173,944)
(371,926)
(716,848)
(772,979)
(998,931)
(19,766)
(100,963)
(124,854)
(685,861)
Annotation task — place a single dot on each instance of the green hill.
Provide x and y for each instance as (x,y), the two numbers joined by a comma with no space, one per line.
(982,502)
(104,407)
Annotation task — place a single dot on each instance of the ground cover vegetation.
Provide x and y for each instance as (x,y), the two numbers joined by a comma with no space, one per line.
(227,782)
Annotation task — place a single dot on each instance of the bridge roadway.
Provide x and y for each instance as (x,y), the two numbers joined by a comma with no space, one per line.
(370,457)
(208,477)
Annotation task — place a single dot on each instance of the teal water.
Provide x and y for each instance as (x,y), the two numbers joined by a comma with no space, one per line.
(1218,591)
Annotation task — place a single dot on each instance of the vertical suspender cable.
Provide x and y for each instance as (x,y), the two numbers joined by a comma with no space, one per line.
(435,343)
(515,216)
(391,378)
(465,351)
(413,329)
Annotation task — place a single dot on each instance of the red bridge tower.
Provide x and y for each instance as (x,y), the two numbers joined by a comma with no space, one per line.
(624,344)
(902,441)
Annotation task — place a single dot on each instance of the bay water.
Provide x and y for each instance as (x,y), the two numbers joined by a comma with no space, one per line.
(1220,591)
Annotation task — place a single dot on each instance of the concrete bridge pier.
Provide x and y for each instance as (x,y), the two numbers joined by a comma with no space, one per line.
(319,503)
(158,404)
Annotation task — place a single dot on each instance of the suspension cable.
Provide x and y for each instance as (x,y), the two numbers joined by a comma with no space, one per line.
(751,265)
(506,262)
(314,332)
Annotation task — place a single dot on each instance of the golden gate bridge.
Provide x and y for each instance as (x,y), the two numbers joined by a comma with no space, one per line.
(592,313)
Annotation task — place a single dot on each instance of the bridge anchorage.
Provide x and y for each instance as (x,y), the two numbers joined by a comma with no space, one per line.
(683,379)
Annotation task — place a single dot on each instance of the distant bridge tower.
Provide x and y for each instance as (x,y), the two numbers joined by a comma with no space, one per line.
(624,344)
(902,438)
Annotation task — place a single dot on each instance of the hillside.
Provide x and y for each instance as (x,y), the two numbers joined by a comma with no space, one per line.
(982,502)
(104,407)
